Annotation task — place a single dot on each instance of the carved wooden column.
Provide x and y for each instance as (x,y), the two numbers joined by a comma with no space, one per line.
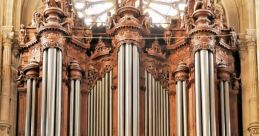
(6,83)
(204,42)
(252,83)
(181,77)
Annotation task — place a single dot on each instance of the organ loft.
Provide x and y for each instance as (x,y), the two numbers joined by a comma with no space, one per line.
(129,73)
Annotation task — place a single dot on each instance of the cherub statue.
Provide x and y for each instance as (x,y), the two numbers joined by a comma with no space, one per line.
(233,37)
(20,77)
(202,4)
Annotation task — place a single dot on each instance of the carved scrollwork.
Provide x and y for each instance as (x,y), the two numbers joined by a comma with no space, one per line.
(156,50)
(100,50)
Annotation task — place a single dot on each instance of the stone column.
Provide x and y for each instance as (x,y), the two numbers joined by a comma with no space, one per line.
(245,88)
(6,82)
(252,83)
(257,32)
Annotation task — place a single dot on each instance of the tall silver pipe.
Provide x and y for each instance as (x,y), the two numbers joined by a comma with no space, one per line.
(94,111)
(101,128)
(150,105)
(128,91)
(53,91)
(107,90)
(227,110)
(33,107)
(98,108)
(135,90)
(111,103)
(89,112)
(156,106)
(205,92)
(77,107)
(146,103)
(28,108)
(159,108)
(212,95)
(162,111)
(222,105)
(59,94)
(165,108)
(179,105)
(121,86)
(49,87)
(43,94)
(185,111)
(167,113)
(71,118)
(153,106)
(198,94)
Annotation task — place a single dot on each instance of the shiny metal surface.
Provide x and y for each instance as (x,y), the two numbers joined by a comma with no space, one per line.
(59,94)
(28,108)
(43,94)
(71,108)
(179,108)
(212,95)
(33,107)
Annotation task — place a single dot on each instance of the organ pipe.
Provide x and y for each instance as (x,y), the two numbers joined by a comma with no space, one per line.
(75,94)
(156,107)
(181,76)
(31,71)
(224,76)
(102,92)
(128,90)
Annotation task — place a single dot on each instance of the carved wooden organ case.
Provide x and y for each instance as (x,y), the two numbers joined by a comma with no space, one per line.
(183,83)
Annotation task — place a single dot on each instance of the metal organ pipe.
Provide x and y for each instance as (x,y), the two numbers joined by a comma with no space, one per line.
(224,76)
(128,90)
(181,76)
(102,92)
(204,93)
(156,107)
(31,72)
(75,94)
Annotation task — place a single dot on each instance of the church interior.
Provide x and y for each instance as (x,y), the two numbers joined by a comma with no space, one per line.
(129,67)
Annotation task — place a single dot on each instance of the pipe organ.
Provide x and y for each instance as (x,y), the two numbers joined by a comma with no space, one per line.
(131,81)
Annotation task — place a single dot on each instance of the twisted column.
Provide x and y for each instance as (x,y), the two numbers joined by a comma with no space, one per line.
(181,77)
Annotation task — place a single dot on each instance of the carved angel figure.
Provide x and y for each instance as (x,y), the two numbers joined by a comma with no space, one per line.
(109,21)
(146,21)
(37,20)
(202,4)
(233,38)
(22,35)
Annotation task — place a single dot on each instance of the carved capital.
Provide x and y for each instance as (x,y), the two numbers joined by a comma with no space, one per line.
(4,128)
(223,72)
(52,39)
(182,72)
(204,41)
(31,70)
(75,70)
(254,129)
(128,37)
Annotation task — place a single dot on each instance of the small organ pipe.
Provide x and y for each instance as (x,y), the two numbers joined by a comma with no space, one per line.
(33,108)
(111,102)
(227,109)
(77,107)
(185,117)
(146,104)
(71,121)
(28,108)
(179,104)
(150,105)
